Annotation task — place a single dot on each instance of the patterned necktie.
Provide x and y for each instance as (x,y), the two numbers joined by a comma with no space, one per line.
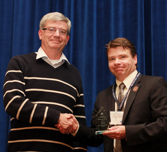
(118,147)
(121,92)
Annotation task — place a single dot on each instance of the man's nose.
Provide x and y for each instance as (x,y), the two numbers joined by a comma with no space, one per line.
(117,61)
(57,33)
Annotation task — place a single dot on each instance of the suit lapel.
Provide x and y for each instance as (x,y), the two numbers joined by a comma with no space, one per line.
(110,100)
(131,97)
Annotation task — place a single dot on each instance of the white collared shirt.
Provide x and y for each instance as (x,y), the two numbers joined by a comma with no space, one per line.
(127,83)
(54,63)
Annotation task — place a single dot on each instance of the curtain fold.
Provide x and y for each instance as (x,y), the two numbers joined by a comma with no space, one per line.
(94,24)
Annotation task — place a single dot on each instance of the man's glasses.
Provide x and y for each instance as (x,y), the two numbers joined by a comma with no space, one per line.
(52,30)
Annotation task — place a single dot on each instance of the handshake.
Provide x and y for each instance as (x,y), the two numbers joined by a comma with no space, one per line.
(67,123)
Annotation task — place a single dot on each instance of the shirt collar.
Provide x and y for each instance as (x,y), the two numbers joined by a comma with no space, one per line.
(128,79)
(42,54)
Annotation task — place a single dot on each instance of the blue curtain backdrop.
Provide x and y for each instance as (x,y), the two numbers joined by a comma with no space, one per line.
(94,24)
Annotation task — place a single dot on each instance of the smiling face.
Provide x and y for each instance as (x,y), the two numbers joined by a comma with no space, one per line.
(121,63)
(53,41)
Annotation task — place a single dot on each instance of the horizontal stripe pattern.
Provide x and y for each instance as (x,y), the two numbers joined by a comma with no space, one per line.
(79,105)
(53,103)
(51,91)
(80,116)
(39,140)
(34,127)
(15,97)
(49,79)
(13,90)
(13,81)
(36,100)
(13,71)
(47,141)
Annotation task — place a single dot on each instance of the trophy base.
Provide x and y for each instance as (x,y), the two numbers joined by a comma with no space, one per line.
(100,132)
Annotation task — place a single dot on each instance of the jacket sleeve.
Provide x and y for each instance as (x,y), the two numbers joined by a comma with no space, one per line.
(155,129)
(87,135)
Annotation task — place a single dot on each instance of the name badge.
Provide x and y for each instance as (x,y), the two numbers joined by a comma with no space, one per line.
(116,117)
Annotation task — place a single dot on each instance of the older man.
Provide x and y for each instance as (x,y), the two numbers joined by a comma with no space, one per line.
(40,89)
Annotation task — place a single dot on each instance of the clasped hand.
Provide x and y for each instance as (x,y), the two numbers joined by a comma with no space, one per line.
(67,123)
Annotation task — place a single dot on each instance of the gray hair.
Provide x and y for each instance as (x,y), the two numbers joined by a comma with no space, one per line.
(55,16)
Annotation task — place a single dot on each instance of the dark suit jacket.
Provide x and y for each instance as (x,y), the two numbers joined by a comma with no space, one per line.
(145,117)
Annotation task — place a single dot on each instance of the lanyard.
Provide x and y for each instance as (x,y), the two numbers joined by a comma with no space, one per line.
(120,105)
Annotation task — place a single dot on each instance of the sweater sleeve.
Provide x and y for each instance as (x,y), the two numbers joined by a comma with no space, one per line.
(16,102)
(79,113)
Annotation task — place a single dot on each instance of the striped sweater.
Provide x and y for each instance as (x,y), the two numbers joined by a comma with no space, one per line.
(35,94)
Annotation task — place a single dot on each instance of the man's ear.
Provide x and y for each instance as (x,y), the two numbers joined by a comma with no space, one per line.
(40,34)
(135,58)
(68,37)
